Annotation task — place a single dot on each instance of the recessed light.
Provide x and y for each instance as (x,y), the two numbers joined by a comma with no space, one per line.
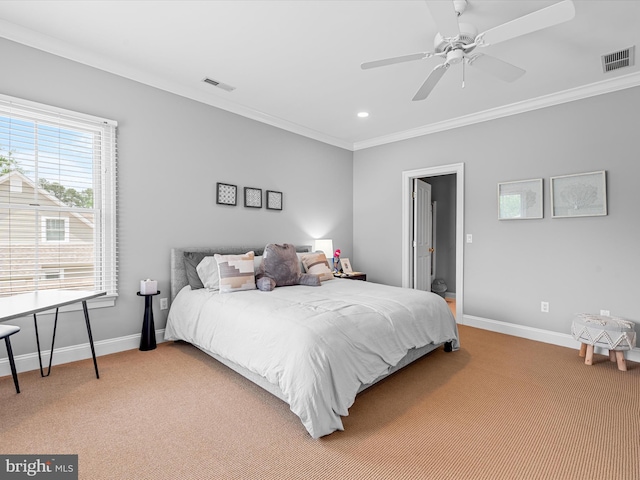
(363,114)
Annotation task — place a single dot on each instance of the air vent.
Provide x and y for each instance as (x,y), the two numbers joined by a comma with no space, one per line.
(218,84)
(620,59)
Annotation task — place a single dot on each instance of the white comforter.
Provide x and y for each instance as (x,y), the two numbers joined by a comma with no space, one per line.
(318,344)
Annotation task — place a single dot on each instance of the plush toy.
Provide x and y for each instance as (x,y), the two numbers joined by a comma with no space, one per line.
(280,267)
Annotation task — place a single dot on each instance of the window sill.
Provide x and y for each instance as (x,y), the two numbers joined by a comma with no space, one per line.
(98,302)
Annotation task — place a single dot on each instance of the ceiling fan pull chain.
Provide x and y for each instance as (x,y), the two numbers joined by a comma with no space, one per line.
(463,73)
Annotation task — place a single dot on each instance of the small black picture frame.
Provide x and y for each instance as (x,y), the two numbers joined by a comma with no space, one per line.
(274,200)
(252,197)
(226,194)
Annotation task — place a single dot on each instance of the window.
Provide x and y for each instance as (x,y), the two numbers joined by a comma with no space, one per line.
(57,199)
(55,229)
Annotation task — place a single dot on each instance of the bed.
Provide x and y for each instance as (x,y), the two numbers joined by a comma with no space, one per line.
(314,347)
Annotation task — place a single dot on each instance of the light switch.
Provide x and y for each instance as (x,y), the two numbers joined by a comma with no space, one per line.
(469,238)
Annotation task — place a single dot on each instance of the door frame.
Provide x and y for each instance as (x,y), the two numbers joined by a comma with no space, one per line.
(407,222)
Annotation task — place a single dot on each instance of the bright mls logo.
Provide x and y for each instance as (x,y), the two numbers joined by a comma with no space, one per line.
(51,467)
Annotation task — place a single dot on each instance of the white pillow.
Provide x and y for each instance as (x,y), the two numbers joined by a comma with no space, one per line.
(208,272)
(257,261)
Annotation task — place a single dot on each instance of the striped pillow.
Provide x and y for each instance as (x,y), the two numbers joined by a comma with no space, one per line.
(317,264)
(236,272)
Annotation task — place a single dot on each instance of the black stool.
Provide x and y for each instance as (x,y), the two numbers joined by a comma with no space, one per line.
(5,332)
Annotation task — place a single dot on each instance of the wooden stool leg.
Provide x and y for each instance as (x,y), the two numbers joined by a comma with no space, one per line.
(588,359)
(612,356)
(622,364)
(583,350)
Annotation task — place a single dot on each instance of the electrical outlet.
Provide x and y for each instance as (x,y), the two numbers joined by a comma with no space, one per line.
(544,307)
(605,313)
(163,304)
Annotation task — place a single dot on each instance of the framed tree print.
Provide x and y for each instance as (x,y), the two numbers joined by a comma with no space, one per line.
(520,200)
(580,195)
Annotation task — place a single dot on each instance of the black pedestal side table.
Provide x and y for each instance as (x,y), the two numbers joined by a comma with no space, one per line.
(148,338)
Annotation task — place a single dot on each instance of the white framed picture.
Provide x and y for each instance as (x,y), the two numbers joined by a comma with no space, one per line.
(346,265)
(579,195)
(520,200)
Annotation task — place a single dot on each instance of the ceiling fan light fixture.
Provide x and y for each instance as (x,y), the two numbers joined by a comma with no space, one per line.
(455,56)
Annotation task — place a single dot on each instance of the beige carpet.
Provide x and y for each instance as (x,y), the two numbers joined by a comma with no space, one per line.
(499,408)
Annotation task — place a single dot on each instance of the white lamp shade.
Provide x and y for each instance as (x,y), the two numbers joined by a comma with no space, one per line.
(324,245)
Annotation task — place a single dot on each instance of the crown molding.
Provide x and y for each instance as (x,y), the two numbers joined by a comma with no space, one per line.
(52,45)
(39,41)
(571,95)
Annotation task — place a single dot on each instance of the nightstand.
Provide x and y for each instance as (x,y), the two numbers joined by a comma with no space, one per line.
(148,337)
(352,276)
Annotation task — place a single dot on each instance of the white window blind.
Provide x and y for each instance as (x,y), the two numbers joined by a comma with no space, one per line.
(57,199)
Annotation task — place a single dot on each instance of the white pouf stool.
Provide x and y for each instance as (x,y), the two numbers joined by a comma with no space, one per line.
(611,333)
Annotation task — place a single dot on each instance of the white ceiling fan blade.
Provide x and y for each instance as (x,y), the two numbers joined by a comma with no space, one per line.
(393,60)
(431,81)
(496,67)
(445,17)
(546,17)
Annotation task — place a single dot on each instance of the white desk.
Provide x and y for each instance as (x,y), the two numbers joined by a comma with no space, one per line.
(32,303)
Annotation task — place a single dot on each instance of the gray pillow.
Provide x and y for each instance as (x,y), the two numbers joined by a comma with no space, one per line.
(191,261)
(309,279)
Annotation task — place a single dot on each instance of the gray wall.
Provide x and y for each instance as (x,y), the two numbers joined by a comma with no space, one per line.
(173,150)
(576,264)
(171,153)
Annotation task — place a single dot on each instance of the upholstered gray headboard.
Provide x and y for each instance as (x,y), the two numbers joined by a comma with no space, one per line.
(179,273)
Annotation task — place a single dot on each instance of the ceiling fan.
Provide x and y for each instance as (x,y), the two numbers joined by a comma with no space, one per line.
(456,41)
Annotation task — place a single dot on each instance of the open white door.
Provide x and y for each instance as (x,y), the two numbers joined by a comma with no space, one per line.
(422,236)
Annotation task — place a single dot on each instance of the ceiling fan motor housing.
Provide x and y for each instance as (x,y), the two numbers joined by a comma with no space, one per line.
(455,56)
(467,36)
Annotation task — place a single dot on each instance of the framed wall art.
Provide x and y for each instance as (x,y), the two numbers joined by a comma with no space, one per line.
(226,194)
(579,195)
(520,200)
(252,197)
(346,265)
(274,200)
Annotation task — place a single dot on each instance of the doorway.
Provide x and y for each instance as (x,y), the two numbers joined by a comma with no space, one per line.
(407,226)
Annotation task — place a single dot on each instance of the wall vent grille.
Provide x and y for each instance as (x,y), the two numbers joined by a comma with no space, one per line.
(620,59)
(218,84)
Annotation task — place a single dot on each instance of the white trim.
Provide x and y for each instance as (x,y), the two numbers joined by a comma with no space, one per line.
(50,110)
(60,48)
(74,353)
(537,334)
(579,93)
(407,185)
(29,361)
(99,302)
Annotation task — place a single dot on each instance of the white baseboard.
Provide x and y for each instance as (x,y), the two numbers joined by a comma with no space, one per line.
(29,361)
(74,353)
(537,334)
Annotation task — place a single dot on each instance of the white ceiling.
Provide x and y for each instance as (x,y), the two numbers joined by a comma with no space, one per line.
(296,64)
